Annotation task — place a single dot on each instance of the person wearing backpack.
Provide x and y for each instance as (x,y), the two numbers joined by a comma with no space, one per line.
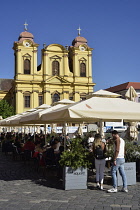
(99,151)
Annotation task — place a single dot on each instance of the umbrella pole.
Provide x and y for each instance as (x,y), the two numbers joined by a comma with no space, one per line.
(65,126)
(21,132)
(34,133)
(45,134)
(15,131)
(101,127)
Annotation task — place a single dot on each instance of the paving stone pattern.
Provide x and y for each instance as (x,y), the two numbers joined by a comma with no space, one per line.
(23,188)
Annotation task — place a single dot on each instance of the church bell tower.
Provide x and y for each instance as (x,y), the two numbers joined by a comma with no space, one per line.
(80,57)
(25,52)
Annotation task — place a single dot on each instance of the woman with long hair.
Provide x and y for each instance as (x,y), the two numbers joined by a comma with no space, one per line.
(99,151)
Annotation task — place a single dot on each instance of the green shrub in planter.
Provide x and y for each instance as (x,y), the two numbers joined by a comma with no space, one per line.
(76,156)
(132,152)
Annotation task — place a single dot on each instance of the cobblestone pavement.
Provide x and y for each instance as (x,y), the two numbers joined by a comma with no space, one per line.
(22,188)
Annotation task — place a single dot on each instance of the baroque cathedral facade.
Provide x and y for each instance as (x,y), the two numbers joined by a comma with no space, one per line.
(64,73)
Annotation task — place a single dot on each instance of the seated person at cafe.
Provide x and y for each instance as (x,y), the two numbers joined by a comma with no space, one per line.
(52,140)
(39,147)
(61,138)
(18,144)
(49,155)
(58,144)
(29,145)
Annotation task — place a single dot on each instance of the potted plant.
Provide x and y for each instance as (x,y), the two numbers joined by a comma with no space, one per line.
(132,151)
(75,162)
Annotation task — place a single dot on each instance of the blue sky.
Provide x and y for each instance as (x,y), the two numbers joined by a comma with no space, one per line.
(112,28)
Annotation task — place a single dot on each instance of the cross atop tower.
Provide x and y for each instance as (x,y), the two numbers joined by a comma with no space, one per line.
(79,29)
(25,26)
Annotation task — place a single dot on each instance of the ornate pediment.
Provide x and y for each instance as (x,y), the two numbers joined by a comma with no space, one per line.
(82,59)
(55,57)
(27,55)
(57,80)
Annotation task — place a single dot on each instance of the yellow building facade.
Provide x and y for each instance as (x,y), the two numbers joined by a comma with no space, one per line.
(64,72)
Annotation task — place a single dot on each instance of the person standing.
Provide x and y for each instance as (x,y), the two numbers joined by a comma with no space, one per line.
(98,151)
(118,162)
(90,140)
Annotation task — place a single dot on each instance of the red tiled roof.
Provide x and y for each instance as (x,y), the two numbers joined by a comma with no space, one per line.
(124,86)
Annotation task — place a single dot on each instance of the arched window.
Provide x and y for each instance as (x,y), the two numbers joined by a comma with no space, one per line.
(55,98)
(55,68)
(82,70)
(26,66)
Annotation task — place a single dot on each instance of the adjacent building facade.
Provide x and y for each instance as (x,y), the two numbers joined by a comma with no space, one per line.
(122,89)
(64,73)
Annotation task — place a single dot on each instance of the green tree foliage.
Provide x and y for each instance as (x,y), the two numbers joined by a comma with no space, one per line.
(5,109)
(76,156)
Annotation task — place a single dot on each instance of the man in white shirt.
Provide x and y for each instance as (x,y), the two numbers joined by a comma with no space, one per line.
(118,162)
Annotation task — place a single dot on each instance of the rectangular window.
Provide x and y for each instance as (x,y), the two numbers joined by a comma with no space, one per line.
(27,101)
(40,100)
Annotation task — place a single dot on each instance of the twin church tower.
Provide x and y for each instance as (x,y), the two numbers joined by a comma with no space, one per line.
(64,72)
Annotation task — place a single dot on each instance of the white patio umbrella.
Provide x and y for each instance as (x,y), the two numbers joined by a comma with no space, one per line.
(80,131)
(37,129)
(106,94)
(103,93)
(95,109)
(16,119)
(53,126)
(4,121)
(26,130)
(34,118)
(132,132)
(1,130)
(64,101)
(131,94)
(7,121)
(43,106)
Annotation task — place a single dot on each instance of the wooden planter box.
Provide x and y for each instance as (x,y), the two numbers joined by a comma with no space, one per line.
(74,179)
(130,170)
